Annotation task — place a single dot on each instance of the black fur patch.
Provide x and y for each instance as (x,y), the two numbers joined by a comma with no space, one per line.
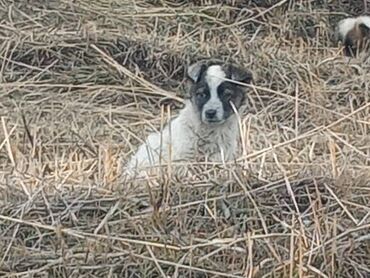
(230,93)
(349,48)
(199,91)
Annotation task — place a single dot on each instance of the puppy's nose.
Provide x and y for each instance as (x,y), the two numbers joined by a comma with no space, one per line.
(210,113)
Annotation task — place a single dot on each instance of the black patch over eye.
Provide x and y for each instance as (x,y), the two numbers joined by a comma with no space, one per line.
(225,92)
(228,94)
(201,93)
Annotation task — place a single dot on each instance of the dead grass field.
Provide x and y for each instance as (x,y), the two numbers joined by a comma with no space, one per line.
(82,81)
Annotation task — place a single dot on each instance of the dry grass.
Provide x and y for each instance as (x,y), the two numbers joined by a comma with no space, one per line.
(83,81)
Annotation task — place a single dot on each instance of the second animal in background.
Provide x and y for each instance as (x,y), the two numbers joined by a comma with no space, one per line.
(354,33)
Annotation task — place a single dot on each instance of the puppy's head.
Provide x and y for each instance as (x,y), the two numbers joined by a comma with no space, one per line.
(214,97)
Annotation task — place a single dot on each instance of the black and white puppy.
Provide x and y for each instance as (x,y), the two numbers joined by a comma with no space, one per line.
(207,126)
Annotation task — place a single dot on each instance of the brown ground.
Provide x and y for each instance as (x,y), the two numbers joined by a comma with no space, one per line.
(79,80)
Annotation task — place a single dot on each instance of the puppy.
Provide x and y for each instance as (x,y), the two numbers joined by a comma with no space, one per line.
(207,127)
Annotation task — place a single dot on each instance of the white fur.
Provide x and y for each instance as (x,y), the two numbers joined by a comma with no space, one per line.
(347,24)
(188,133)
(214,77)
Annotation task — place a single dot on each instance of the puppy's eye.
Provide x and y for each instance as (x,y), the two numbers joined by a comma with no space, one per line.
(200,94)
(228,94)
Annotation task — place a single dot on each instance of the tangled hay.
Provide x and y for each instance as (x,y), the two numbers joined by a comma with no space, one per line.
(83,81)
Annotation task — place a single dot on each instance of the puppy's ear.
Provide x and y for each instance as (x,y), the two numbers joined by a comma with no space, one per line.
(240,75)
(195,71)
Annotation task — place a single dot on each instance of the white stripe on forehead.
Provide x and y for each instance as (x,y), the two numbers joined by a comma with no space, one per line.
(214,77)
